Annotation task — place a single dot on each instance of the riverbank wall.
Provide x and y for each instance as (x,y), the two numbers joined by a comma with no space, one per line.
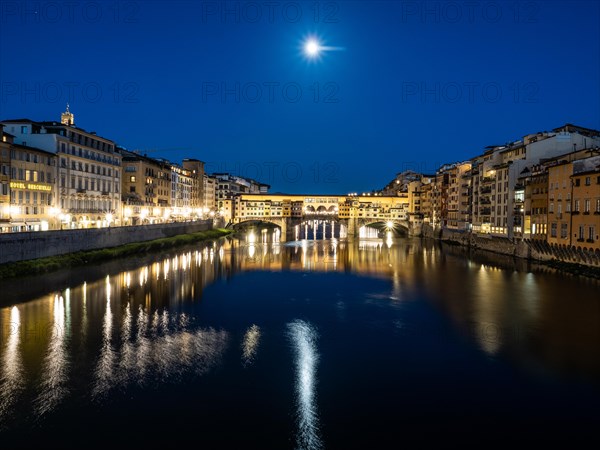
(528,249)
(33,245)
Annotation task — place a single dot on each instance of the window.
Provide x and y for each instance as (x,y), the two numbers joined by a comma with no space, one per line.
(591,233)
(577,182)
(551,209)
(581,232)
(577,205)
(132,178)
(24,129)
(588,181)
(587,206)
(563,230)
(598,205)
(553,230)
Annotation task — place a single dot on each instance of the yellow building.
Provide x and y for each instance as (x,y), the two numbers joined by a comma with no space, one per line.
(5,141)
(574,201)
(585,210)
(32,190)
(196,169)
(146,189)
(534,202)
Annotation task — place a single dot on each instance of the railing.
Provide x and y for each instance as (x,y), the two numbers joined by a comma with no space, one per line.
(90,211)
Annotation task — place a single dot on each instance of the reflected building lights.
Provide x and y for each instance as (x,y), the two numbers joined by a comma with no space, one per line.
(12,379)
(53,384)
(104,368)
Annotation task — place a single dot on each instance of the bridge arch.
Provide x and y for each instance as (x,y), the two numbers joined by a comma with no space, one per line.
(397,227)
(249,223)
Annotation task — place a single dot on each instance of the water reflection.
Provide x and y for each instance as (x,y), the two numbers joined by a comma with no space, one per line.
(104,368)
(304,339)
(12,376)
(250,345)
(54,380)
(142,324)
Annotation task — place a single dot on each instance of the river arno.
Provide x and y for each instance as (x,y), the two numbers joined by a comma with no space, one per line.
(251,343)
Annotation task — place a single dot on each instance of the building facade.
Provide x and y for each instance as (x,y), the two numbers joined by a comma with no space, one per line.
(146,189)
(89,169)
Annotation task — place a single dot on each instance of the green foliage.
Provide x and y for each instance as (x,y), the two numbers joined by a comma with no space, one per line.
(44,265)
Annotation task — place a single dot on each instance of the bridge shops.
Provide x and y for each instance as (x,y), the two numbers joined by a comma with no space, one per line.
(349,214)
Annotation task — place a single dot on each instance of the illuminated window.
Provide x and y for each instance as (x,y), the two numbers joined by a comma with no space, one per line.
(132,179)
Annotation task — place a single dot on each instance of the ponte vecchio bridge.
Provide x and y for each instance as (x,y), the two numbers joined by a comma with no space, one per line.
(352,214)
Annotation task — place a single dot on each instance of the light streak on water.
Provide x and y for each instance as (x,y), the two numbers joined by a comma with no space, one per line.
(250,345)
(11,376)
(304,338)
(53,384)
(105,367)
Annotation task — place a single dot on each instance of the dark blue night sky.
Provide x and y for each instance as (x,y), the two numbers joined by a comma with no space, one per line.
(416,84)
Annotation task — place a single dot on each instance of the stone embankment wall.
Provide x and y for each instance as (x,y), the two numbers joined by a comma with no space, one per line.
(529,249)
(23,246)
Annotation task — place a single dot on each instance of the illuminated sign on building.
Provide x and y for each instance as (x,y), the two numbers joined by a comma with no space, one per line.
(30,186)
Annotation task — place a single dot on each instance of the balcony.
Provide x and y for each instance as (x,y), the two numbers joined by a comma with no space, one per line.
(105,193)
(485,201)
(591,241)
(81,191)
(488,179)
(485,190)
(89,211)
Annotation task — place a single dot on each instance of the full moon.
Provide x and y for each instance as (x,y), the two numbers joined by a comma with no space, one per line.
(312,48)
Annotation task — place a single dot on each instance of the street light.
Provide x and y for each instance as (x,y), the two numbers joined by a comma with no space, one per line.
(56,214)
(127,213)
